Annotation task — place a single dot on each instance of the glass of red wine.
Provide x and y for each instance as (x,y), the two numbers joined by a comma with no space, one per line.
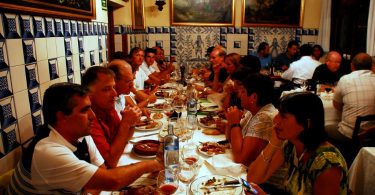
(167,186)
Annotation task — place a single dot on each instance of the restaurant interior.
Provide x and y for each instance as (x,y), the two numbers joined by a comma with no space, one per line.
(43,44)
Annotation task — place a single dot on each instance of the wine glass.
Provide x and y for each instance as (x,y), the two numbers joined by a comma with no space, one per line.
(189,155)
(304,85)
(167,182)
(178,105)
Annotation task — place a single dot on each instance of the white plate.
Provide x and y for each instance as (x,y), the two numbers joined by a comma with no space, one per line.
(213,126)
(143,156)
(208,107)
(142,128)
(195,186)
(199,148)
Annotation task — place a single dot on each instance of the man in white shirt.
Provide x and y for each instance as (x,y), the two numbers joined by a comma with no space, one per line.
(53,167)
(147,67)
(302,69)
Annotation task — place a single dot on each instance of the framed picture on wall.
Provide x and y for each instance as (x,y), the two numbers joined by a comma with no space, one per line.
(272,13)
(138,15)
(83,10)
(202,12)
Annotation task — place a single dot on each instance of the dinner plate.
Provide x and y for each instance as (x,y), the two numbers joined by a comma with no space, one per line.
(143,128)
(156,107)
(212,126)
(198,183)
(200,146)
(142,149)
(208,107)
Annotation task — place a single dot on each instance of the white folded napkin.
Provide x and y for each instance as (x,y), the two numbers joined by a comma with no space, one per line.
(222,164)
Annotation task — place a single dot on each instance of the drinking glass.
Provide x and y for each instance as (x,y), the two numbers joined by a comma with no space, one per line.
(189,154)
(167,185)
(187,171)
(178,104)
(304,85)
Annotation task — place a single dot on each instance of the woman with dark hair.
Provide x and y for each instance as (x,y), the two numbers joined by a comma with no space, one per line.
(314,165)
(318,53)
(249,131)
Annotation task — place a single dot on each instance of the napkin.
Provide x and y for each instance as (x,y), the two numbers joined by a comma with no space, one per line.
(291,91)
(222,164)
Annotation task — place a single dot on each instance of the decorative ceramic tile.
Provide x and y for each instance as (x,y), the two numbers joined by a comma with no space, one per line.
(59,28)
(159,30)
(50,26)
(7,112)
(31,76)
(90,29)
(245,30)
(100,43)
(34,99)
(18,78)
(165,29)
(25,125)
(11,26)
(15,52)
(100,32)
(80,28)
(85,29)
(51,47)
(37,120)
(10,138)
(5,84)
(95,28)
(1,29)
(230,30)
(75,62)
(70,78)
(69,65)
(223,43)
(22,104)
(67,28)
(41,49)
(53,69)
(298,31)
(305,31)
(237,44)
(74,45)
(27,27)
(237,30)
(223,37)
(39,27)
(80,45)
(10,161)
(100,57)
(77,76)
(4,64)
(173,30)
(29,51)
(82,62)
(73,28)
(68,47)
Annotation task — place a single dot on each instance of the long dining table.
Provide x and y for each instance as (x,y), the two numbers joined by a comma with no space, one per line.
(207,166)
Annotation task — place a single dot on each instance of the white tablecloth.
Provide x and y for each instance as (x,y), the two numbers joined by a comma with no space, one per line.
(129,157)
(362,172)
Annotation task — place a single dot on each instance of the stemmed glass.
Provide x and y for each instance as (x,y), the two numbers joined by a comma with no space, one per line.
(179,105)
(304,85)
(167,183)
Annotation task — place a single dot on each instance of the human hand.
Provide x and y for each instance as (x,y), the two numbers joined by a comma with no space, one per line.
(221,125)
(152,98)
(233,115)
(146,112)
(131,115)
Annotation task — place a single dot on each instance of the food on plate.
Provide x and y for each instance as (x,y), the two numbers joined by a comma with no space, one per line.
(161,94)
(147,124)
(211,131)
(211,148)
(146,147)
(157,115)
(140,190)
(159,106)
(207,120)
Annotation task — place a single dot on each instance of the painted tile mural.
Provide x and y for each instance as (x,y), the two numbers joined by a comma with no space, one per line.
(36,52)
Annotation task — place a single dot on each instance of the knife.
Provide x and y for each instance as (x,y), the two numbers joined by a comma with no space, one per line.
(145,135)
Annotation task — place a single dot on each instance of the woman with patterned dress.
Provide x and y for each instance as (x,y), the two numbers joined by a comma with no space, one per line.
(299,142)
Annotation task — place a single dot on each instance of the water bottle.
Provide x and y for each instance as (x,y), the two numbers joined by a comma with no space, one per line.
(191,107)
(171,153)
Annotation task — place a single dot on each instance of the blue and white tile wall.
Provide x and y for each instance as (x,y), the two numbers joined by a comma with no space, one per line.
(189,43)
(36,52)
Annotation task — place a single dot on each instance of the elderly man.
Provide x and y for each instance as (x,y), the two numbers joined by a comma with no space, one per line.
(354,96)
(62,158)
(109,132)
(302,69)
(329,73)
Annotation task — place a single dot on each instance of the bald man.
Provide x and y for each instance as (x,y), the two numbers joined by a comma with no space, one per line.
(329,73)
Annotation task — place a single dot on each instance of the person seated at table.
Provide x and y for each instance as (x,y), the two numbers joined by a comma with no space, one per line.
(354,96)
(62,158)
(251,62)
(110,134)
(218,73)
(139,93)
(299,141)
(282,61)
(318,53)
(250,131)
(124,84)
(263,53)
(302,69)
(329,73)
(161,66)
(147,68)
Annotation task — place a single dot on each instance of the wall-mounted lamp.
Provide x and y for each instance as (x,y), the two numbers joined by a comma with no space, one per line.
(160,4)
